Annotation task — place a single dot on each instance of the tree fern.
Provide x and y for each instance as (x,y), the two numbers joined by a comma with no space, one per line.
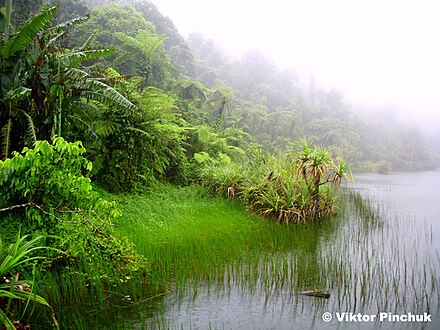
(28,32)
(133,42)
(144,54)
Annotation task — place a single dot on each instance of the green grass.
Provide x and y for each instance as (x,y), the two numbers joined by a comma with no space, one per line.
(187,234)
(193,241)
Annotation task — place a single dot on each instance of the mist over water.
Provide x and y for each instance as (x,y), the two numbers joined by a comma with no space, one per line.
(408,194)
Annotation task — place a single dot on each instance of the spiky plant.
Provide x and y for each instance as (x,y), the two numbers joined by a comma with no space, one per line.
(11,287)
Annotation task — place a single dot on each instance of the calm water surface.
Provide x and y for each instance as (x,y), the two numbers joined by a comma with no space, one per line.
(415,194)
(385,260)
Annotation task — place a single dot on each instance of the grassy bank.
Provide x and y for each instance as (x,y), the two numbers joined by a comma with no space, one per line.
(186,233)
(192,241)
(197,242)
(185,236)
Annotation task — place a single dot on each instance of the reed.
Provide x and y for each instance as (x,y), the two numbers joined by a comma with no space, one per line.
(359,257)
(203,246)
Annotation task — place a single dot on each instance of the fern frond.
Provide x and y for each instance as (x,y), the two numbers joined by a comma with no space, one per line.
(112,73)
(6,139)
(133,42)
(105,128)
(111,76)
(87,111)
(134,129)
(31,132)
(89,130)
(30,29)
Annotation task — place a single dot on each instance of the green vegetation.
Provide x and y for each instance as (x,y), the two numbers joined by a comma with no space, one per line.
(43,191)
(199,245)
(12,287)
(120,100)
(293,188)
(192,235)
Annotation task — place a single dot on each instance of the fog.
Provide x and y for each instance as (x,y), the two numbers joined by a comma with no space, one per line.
(375,52)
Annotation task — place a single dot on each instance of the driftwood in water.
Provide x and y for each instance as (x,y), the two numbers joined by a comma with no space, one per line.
(316,294)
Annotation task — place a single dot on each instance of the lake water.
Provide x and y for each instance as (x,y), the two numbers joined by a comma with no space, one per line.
(414,194)
(380,257)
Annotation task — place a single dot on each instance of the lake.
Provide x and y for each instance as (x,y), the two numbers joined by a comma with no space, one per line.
(378,260)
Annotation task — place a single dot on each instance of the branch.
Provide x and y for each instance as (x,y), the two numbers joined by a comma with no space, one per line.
(80,212)
(19,206)
(37,191)
(326,181)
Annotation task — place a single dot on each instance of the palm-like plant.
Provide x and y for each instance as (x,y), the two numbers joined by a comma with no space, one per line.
(313,164)
(224,101)
(190,89)
(12,91)
(19,253)
(318,164)
(341,170)
(44,85)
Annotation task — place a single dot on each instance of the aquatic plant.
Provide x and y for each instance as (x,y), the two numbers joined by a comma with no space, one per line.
(291,188)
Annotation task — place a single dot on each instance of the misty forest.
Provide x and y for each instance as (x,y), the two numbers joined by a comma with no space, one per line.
(153,181)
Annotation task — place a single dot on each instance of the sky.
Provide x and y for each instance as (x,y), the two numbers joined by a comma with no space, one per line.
(376,51)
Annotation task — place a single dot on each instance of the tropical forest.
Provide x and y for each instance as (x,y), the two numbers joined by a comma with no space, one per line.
(151,181)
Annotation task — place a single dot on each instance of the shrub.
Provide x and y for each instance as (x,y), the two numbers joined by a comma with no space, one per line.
(45,190)
(290,188)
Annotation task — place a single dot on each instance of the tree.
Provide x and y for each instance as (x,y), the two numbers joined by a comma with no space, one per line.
(224,102)
(105,21)
(144,55)
(44,87)
(179,52)
(70,9)
(22,9)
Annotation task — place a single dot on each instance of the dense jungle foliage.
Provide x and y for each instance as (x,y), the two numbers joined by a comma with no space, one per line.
(110,94)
